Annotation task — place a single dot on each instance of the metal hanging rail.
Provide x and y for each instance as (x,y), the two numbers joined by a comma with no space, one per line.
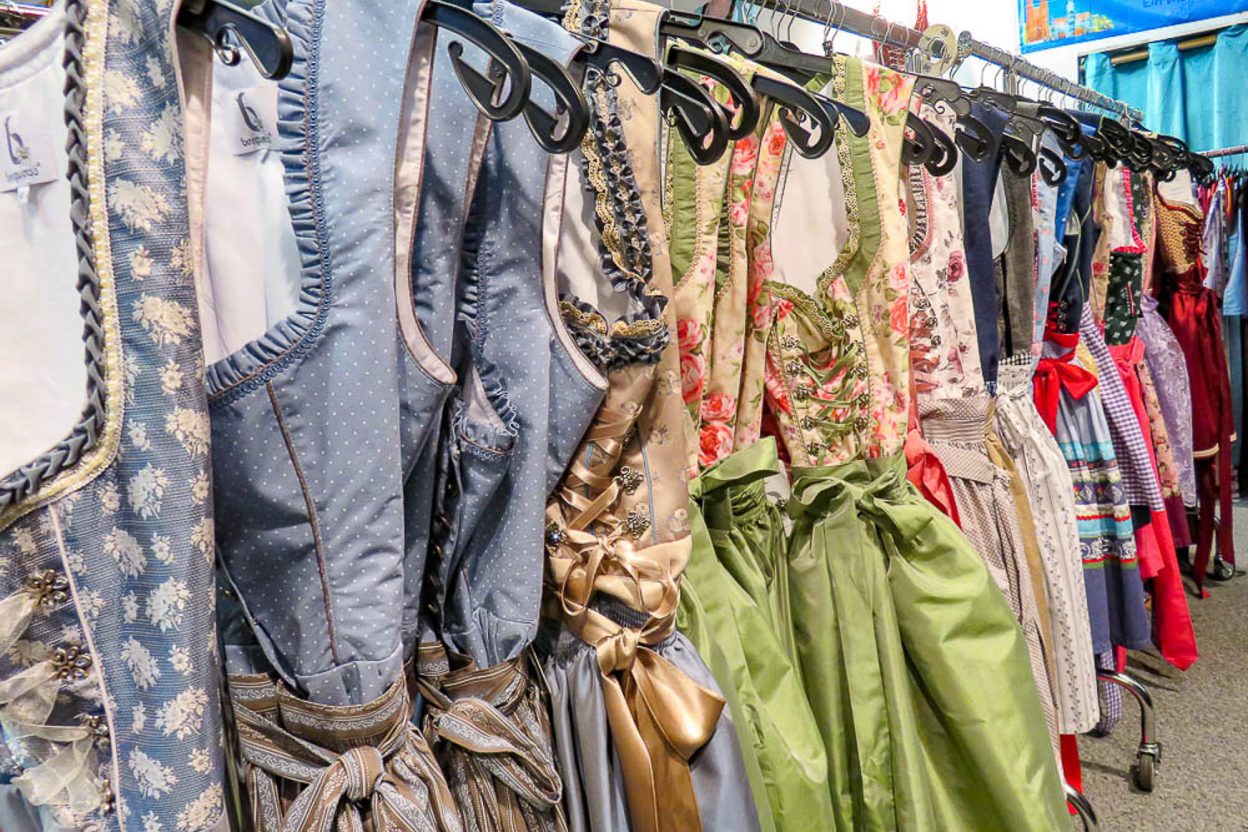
(836,15)
(1019,68)
(1225,151)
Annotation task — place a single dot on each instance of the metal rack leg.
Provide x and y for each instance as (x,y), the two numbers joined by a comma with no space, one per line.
(1084,807)
(1149,755)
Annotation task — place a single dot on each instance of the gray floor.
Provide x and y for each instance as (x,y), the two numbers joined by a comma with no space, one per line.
(1202,784)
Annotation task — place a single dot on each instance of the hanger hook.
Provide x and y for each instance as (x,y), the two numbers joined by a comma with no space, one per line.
(876,36)
(829,47)
(792,18)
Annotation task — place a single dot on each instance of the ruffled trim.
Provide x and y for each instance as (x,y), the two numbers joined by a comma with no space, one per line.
(625,254)
(638,338)
(490,438)
(298,113)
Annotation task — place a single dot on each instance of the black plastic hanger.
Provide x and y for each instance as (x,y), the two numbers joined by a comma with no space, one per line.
(695,115)
(562,131)
(715,33)
(799,112)
(1097,149)
(1003,101)
(1052,166)
(721,35)
(644,71)
(503,97)
(971,135)
(226,26)
(742,120)
(1021,144)
(919,143)
(1140,157)
(1064,127)
(1117,138)
(945,157)
(1165,162)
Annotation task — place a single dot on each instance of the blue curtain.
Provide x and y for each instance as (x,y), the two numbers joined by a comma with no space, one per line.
(1195,95)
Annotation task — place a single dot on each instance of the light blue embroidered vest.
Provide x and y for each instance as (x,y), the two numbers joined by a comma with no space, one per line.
(108,660)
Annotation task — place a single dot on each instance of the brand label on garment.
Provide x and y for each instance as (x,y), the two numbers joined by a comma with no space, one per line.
(252,119)
(29,153)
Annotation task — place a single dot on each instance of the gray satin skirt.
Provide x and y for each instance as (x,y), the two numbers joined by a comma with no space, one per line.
(593,786)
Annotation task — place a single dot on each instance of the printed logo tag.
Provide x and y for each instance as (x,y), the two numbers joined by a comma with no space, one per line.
(253,117)
(29,154)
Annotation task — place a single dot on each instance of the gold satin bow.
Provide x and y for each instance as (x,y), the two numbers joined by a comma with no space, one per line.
(659,718)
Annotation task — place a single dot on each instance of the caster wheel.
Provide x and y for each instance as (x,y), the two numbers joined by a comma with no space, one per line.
(1145,768)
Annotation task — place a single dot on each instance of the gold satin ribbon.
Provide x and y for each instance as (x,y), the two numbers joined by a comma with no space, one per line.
(384,763)
(659,717)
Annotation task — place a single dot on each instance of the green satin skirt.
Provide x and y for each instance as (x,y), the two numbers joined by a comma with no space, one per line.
(915,669)
(729,609)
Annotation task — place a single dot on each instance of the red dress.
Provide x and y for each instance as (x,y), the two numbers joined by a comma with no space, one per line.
(1195,317)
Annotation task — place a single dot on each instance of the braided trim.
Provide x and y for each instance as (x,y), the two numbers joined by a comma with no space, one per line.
(27,482)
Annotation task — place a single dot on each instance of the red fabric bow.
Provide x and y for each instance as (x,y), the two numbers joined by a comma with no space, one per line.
(1062,373)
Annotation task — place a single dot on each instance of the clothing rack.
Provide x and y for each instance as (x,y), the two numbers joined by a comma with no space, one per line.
(1226,151)
(1016,66)
(836,15)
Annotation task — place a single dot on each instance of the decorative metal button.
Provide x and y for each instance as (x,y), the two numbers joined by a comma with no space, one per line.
(636,524)
(795,367)
(861,422)
(801,393)
(108,799)
(813,448)
(49,588)
(859,371)
(72,662)
(935,340)
(99,729)
(629,479)
(807,423)
(554,534)
(791,342)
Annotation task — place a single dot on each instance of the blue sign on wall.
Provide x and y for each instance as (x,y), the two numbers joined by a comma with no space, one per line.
(1049,23)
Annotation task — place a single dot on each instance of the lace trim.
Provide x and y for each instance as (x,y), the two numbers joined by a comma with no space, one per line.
(620,220)
(853,219)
